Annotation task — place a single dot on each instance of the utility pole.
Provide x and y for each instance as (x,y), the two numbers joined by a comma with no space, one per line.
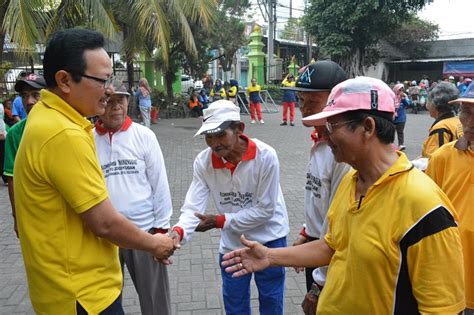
(270,38)
(309,42)
(291,9)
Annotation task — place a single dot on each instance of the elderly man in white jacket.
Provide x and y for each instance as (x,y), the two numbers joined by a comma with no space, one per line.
(241,175)
(135,172)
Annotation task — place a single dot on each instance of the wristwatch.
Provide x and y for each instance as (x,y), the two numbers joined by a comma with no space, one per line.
(315,290)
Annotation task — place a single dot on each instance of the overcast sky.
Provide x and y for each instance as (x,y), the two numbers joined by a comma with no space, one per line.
(453,16)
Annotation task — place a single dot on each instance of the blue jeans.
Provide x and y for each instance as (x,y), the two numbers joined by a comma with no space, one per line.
(270,284)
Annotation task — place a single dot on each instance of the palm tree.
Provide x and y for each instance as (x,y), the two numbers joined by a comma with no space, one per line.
(28,23)
(163,35)
(145,24)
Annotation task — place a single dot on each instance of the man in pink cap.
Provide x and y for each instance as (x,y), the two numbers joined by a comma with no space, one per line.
(392,232)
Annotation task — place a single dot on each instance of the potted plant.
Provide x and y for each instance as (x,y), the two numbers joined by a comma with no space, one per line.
(158,101)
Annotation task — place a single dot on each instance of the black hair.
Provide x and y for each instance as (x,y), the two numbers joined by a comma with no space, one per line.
(65,51)
(384,127)
(234,125)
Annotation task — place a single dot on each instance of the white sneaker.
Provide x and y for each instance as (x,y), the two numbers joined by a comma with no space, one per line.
(261,121)
(253,121)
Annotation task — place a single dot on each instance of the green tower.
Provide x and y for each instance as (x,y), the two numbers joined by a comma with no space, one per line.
(256,57)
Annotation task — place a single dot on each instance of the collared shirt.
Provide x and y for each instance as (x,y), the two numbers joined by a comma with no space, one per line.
(322,180)
(58,177)
(250,196)
(445,128)
(12,142)
(17,108)
(135,173)
(451,169)
(397,249)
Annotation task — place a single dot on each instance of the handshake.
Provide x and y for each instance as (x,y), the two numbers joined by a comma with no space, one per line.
(165,245)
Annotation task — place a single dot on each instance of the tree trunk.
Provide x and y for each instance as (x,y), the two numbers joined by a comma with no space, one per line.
(130,75)
(353,64)
(169,79)
(3,9)
(129,59)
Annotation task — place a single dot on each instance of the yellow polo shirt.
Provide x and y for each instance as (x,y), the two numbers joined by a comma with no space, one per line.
(57,177)
(444,130)
(451,168)
(397,250)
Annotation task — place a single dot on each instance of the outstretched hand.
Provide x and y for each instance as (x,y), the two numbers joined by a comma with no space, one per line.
(253,257)
(207,222)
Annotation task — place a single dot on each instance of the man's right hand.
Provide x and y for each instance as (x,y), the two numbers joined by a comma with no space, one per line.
(164,248)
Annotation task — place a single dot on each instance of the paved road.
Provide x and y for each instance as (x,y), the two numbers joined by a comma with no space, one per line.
(195,275)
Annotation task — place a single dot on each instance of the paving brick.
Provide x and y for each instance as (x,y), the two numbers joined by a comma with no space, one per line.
(195,269)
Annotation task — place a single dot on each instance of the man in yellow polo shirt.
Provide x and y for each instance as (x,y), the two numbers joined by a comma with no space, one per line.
(451,168)
(392,245)
(67,224)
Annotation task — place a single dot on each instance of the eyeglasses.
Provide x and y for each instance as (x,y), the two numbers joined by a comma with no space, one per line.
(106,82)
(330,126)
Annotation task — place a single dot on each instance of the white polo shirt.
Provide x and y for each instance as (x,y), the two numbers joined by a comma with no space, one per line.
(250,197)
(135,173)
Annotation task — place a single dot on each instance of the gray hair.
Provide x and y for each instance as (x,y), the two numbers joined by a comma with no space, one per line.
(441,94)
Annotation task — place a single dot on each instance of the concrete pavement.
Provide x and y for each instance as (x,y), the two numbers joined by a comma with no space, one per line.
(195,275)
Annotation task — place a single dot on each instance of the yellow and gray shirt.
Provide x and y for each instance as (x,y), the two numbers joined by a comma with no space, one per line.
(451,169)
(393,248)
(445,129)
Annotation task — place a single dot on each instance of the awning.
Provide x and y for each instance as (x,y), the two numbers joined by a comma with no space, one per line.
(459,68)
(448,59)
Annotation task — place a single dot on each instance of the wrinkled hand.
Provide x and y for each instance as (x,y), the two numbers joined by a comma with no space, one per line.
(309,304)
(164,248)
(176,239)
(300,240)
(207,222)
(252,258)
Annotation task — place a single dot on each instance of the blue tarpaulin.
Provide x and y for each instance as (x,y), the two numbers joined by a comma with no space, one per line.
(458,68)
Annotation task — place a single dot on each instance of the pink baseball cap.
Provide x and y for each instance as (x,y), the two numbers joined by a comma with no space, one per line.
(361,93)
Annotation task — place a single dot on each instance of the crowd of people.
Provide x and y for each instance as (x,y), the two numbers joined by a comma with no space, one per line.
(380,235)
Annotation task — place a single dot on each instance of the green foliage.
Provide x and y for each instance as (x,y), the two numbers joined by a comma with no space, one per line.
(4,67)
(235,7)
(227,34)
(346,29)
(293,30)
(158,98)
(411,32)
(197,65)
